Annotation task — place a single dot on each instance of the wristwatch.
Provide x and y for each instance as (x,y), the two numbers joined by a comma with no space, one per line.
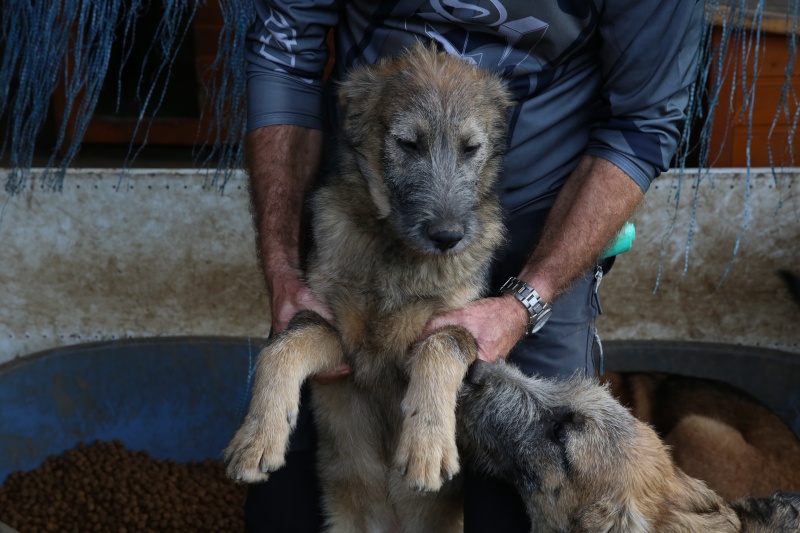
(538,310)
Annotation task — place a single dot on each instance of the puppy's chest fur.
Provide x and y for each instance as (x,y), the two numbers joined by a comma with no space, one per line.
(381,291)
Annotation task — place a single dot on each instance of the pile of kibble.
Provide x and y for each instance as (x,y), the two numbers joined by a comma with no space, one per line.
(104,487)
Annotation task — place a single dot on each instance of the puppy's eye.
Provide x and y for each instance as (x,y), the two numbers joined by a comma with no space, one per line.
(409,147)
(557,425)
(471,149)
(557,432)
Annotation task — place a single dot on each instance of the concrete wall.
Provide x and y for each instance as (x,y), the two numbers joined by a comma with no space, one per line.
(158,253)
(155,254)
(751,305)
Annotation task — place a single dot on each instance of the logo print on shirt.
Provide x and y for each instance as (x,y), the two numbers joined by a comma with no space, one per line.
(281,39)
(278,44)
(522,34)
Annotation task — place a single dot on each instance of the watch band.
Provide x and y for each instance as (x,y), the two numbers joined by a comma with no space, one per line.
(538,310)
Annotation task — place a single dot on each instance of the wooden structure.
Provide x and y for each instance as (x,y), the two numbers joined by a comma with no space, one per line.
(774,110)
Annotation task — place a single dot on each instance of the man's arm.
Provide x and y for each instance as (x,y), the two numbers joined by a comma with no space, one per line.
(595,202)
(286,54)
(591,208)
(283,161)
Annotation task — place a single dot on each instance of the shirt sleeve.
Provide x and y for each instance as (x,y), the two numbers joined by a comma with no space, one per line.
(286,54)
(649,55)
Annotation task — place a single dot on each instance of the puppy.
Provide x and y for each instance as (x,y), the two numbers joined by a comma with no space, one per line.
(405,229)
(715,432)
(583,463)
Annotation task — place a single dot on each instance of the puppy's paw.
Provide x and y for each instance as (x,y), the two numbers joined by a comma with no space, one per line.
(259,446)
(426,454)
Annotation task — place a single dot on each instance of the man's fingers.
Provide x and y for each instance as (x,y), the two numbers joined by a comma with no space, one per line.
(447,319)
(296,297)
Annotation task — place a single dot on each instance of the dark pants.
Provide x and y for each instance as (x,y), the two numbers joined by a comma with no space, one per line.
(289,501)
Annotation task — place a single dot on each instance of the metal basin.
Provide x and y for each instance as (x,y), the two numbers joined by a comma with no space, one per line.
(182,398)
(179,398)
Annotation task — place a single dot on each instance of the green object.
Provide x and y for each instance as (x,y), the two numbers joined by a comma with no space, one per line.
(622,242)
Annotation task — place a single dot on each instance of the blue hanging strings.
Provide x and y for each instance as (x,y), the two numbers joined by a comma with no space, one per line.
(87,66)
(171,33)
(749,92)
(34,40)
(788,99)
(227,121)
(66,46)
(734,60)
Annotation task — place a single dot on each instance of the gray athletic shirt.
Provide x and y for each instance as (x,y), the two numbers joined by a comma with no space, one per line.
(608,78)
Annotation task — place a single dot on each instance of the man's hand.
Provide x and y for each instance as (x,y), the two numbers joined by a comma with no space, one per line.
(496,323)
(289,296)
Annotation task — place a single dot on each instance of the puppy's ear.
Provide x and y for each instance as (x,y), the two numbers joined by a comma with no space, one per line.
(499,98)
(358,97)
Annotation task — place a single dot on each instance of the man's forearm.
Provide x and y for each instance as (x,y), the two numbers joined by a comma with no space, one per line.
(591,208)
(283,161)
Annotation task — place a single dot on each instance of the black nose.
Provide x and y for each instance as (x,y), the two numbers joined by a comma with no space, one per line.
(478,372)
(445,236)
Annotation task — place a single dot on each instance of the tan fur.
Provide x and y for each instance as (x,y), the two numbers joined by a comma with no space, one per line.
(432,125)
(582,463)
(717,433)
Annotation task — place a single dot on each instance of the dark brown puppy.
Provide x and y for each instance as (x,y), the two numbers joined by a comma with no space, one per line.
(715,432)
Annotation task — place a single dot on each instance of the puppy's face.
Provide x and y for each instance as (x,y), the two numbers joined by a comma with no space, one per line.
(564,445)
(429,130)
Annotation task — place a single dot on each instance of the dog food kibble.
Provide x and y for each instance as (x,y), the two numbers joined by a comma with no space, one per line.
(104,487)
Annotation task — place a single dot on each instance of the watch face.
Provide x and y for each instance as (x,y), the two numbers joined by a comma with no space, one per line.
(541,319)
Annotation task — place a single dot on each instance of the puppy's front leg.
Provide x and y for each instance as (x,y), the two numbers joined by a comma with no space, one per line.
(427,451)
(309,345)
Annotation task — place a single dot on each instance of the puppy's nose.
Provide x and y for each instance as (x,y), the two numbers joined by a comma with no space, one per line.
(445,236)
(478,372)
